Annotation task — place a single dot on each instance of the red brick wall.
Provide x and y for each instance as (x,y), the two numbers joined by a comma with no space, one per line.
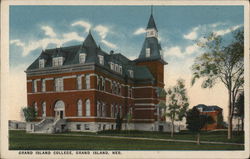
(157,70)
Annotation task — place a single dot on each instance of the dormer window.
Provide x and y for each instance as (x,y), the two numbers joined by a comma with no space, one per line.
(41,63)
(82,57)
(147,52)
(111,65)
(120,69)
(116,67)
(131,73)
(57,61)
(101,59)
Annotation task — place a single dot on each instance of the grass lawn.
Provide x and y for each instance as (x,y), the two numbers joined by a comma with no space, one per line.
(19,140)
(218,136)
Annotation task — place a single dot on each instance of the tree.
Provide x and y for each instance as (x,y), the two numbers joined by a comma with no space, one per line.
(222,63)
(29,113)
(239,108)
(176,103)
(196,121)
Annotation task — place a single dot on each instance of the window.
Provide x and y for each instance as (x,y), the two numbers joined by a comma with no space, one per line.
(116,67)
(116,110)
(60,61)
(111,65)
(98,109)
(58,84)
(103,110)
(87,104)
(79,107)
(131,73)
(104,127)
(112,111)
(86,126)
(43,85)
(78,126)
(120,111)
(87,81)
(147,52)
(34,86)
(103,83)
(101,60)
(79,82)
(36,108)
(120,69)
(82,57)
(41,63)
(57,61)
(44,109)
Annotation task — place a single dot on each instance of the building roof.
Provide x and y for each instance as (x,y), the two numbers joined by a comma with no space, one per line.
(89,47)
(206,108)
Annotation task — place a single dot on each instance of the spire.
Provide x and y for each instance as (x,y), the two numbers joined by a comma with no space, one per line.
(151,22)
(89,41)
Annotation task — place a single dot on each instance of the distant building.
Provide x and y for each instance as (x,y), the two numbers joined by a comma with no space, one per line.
(215,112)
(16,125)
(83,88)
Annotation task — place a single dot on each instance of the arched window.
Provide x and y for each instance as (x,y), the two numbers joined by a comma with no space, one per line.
(87,104)
(44,109)
(116,110)
(87,81)
(79,107)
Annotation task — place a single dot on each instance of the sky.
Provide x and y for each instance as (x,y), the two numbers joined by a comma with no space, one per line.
(122,29)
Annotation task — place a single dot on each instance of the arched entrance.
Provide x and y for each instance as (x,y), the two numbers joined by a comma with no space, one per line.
(59,109)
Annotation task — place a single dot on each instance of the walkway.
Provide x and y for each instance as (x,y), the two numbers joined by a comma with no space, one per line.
(153,139)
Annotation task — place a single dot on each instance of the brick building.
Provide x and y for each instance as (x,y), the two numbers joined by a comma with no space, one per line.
(215,112)
(83,88)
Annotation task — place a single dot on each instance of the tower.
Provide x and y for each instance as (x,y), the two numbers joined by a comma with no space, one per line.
(151,53)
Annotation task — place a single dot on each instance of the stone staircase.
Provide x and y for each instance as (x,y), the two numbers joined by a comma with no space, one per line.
(49,126)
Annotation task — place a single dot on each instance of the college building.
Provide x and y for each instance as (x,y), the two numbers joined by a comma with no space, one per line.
(83,88)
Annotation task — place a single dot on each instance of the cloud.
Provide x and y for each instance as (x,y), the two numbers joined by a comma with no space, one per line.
(193,34)
(226,31)
(109,44)
(48,31)
(43,43)
(102,31)
(86,25)
(191,49)
(173,51)
(181,52)
(71,36)
(17,42)
(139,31)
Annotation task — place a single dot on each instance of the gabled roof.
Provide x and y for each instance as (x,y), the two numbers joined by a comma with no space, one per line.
(151,23)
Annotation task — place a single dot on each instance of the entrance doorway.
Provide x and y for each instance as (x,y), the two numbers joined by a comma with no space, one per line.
(161,128)
(59,109)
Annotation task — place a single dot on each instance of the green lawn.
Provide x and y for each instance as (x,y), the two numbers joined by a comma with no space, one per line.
(19,140)
(218,136)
